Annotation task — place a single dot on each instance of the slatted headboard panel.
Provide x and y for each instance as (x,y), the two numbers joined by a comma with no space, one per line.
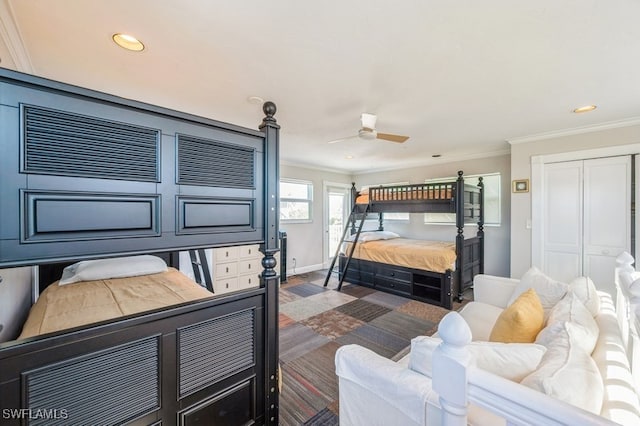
(108,388)
(215,349)
(70,144)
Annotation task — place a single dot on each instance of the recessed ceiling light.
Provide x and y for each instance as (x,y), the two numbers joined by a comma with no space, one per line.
(349,157)
(257,100)
(128,42)
(585,108)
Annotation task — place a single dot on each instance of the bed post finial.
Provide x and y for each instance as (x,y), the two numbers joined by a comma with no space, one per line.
(460,173)
(269,109)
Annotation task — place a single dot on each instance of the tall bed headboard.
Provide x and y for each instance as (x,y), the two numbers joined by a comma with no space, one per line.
(84,175)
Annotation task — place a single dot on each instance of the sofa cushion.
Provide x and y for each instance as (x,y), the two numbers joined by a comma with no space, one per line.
(480,317)
(521,321)
(512,361)
(548,290)
(566,372)
(570,309)
(586,291)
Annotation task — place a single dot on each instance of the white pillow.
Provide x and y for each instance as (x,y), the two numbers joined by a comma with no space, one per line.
(548,290)
(586,291)
(364,190)
(568,373)
(377,235)
(570,310)
(512,361)
(119,267)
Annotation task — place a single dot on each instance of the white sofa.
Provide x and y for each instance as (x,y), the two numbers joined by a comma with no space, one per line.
(374,390)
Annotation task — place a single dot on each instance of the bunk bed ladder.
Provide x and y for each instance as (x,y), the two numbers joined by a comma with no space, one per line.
(353,246)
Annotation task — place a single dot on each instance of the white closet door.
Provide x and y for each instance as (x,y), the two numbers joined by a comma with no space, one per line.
(607,217)
(562,241)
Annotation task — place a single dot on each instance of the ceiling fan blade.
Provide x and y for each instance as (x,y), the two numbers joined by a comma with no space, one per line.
(392,138)
(342,139)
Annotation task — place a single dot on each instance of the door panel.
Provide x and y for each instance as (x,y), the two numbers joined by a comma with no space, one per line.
(563,219)
(607,217)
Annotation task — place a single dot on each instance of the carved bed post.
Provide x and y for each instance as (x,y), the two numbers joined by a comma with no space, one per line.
(460,235)
(481,225)
(270,278)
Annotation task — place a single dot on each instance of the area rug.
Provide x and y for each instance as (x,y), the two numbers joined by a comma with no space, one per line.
(315,321)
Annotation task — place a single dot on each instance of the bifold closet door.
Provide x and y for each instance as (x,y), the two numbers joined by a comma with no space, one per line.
(563,230)
(587,218)
(607,217)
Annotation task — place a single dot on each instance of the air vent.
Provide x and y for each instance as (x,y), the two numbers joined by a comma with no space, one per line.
(68,144)
(106,388)
(216,349)
(211,163)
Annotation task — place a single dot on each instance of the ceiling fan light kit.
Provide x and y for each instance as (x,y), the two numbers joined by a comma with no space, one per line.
(368,131)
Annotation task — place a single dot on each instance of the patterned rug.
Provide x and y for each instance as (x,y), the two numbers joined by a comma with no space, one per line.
(315,321)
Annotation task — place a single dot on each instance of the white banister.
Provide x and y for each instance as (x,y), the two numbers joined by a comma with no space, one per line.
(450,363)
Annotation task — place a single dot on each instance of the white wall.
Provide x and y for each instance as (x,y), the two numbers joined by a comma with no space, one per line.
(305,240)
(15,301)
(497,238)
(521,154)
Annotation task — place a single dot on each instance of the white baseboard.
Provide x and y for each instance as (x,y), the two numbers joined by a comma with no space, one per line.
(305,269)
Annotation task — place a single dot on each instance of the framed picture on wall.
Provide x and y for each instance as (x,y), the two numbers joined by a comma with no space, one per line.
(521,185)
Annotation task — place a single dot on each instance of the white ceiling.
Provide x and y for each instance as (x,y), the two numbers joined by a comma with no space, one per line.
(461,78)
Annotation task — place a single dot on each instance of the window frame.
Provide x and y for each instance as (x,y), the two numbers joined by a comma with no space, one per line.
(451,220)
(308,201)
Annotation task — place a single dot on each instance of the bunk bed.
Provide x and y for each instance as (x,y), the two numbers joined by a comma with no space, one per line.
(435,282)
(86,176)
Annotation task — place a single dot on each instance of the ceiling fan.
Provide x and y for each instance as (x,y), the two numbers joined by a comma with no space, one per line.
(368,131)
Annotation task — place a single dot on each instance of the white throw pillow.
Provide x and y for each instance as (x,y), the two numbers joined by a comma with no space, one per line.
(118,267)
(568,373)
(512,361)
(377,235)
(571,310)
(586,291)
(548,290)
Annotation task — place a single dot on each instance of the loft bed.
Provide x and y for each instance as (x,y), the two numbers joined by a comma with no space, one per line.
(88,176)
(421,281)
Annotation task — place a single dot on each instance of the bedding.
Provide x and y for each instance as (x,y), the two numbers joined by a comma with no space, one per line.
(60,307)
(436,256)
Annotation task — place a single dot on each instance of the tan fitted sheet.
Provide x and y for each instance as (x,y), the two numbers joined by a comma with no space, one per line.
(436,256)
(86,302)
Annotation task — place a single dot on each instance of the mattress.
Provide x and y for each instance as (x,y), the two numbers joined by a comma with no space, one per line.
(436,256)
(60,307)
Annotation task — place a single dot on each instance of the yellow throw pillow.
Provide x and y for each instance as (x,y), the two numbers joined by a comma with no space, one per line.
(521,321)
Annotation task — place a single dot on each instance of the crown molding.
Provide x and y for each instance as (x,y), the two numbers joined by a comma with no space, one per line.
(313,167)
(10,34)
(634,121)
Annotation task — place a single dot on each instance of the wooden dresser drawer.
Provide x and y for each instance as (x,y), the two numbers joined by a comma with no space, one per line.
(222,286)
(224,270)
(250,266)
(248,281)
(225,254)
(249,252)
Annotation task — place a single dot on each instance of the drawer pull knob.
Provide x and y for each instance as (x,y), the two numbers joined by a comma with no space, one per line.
(249,280)
(249,251)
(393,274)
(249,266)
(227,285)
(227,269)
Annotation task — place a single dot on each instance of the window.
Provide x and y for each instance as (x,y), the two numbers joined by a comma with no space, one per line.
(392,216)
(296,198)
(491,200)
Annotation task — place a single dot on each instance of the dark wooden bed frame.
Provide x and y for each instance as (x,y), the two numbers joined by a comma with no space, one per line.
(87,175)
(466,201)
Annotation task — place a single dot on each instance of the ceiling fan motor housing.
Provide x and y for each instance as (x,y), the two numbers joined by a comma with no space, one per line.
(367,134)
